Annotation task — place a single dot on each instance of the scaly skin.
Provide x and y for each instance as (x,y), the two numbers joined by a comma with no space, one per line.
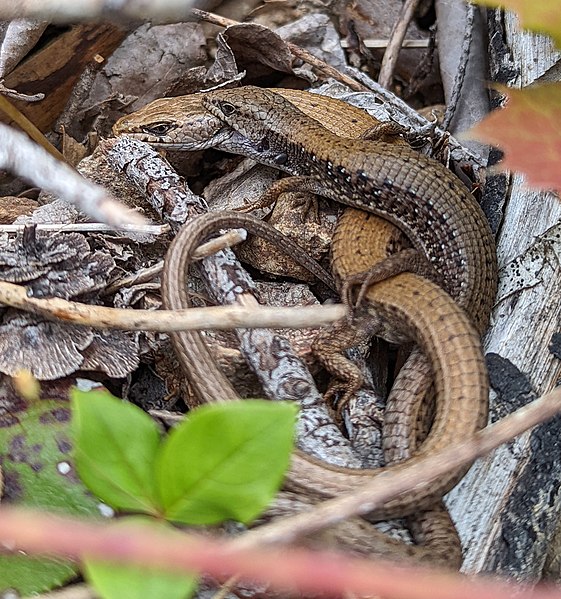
(179,122)
(415,193)
(414,306)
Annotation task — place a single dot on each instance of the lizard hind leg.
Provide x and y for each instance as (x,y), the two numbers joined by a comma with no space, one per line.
(328,347)
(374,260)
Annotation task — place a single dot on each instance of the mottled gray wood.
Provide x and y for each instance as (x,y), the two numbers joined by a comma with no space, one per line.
(507,506)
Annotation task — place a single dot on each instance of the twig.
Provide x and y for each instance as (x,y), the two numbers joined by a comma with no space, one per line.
(299,52)
(229,283)
(26,125)
(136,278)
(19,155)
(88,228)
(226,588)
(396,38)
(15,95)
(462,66)
(387,486)
(216,317)
(311,573)
(380,43)
(69,11)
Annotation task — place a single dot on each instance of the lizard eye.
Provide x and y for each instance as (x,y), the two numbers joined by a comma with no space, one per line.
(227,108)
(158,129)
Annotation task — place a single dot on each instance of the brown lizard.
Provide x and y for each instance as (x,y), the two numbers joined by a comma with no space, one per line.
(417,309)
(433,530)
(417,194)
(337,480)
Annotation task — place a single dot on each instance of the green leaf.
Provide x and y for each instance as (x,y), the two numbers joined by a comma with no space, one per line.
(116,445)
(115,581)
(28,575)
(126,582)
(225,461)
(39,472)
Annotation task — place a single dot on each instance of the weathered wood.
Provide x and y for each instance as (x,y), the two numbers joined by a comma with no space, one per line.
(507,506)
(55,69)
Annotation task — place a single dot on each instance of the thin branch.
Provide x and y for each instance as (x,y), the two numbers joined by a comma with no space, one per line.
(387,486)
(26,125)
(88,228)
(382,43)
(394,45)
(228,239)
(74,591)
(462,67)
(216,317)
(19,155)
(70,11)
(309,572)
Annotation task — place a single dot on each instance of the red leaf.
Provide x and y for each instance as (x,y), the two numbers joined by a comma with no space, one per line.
(528,130)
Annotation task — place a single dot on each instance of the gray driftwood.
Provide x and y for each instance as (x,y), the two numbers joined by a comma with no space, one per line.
(507,506)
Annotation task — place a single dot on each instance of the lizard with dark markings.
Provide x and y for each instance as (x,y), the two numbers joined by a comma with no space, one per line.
(416,193)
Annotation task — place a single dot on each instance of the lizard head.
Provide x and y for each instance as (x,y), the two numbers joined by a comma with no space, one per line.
(180,123)
(263,120)
(253,111)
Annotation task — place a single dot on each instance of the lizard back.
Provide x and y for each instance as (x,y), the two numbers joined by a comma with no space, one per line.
(414,192)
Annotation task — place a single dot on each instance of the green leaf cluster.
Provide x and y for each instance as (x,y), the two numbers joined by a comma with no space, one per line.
(224,461)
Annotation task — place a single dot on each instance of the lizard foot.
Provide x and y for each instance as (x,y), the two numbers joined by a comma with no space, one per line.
(347,378)
(407,260)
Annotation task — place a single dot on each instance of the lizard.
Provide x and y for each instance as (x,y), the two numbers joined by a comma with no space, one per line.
(159,120)
(416,308)
(416,193)
(412,191)
(434,532)
(179,123)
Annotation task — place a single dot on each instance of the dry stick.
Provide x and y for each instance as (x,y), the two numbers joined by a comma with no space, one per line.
(229,239)
(462,67)
(215,317)
(219,317)
(70,11)
(226,588)
(87,228)
(388,485)
(26,125)
(19,155)
(299,52)
(394,44)
(136,278)
(309,572)
(382,44)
